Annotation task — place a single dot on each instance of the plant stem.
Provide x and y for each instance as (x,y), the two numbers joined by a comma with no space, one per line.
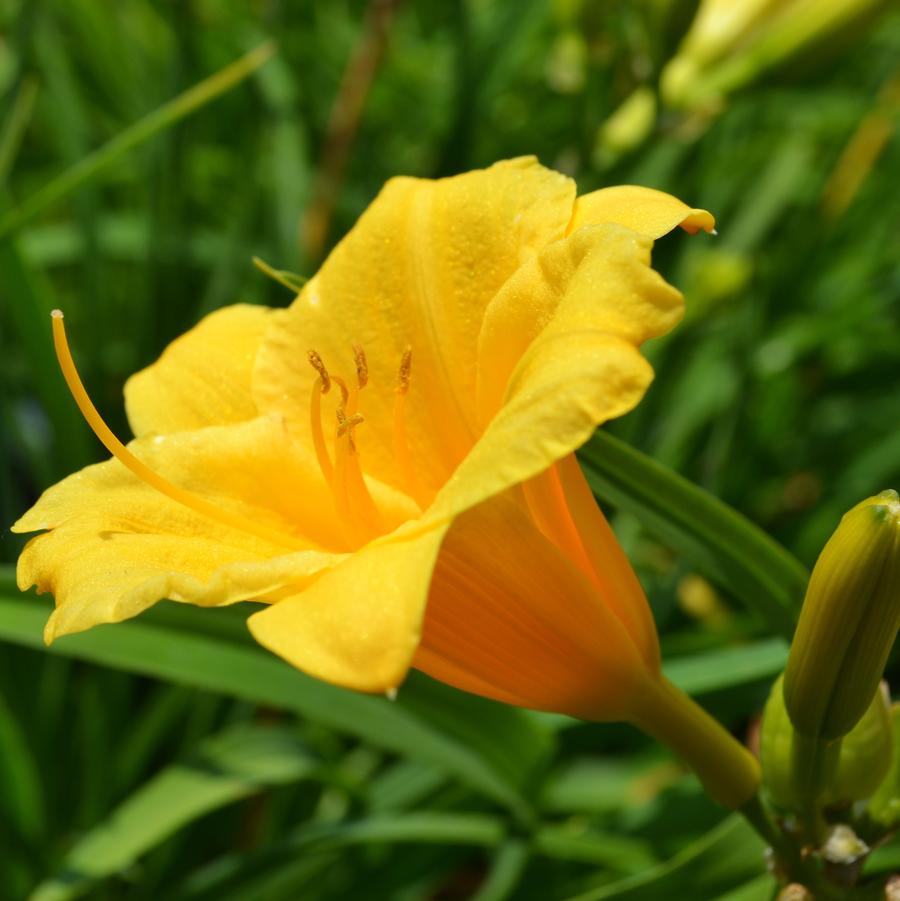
(729,772)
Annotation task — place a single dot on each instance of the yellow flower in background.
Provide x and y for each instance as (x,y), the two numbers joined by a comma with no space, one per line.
(389,463)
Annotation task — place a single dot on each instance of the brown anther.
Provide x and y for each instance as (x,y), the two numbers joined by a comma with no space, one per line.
(362,365)
(316,362)
(405,370)
(347,424)
(345,393)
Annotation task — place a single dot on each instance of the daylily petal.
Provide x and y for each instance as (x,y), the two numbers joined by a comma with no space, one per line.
(417,271)
(360,623)
(103,572)
(509,616)
(116,544)
(562,505)
(203,377)
(558,356)
(644,210)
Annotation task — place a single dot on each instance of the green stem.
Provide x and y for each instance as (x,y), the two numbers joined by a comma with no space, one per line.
(728,771)
(813,762)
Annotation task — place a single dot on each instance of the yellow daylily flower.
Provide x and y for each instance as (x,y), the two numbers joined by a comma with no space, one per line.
(389,463)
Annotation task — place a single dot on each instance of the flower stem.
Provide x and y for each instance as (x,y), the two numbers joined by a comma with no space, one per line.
(729,772)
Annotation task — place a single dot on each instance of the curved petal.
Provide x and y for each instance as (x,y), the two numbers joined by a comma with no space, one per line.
(358,625)
(203,377)
(116,545)
(648,212)
(511,617)
(558,356)
(417,271)
(100,572)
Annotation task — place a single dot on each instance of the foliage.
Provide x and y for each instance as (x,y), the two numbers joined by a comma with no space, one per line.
(171,758)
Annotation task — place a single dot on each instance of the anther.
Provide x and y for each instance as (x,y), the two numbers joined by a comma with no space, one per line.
(405,370)
(345,393)
(362,366)
(347,424)
(410,480)
(316,362)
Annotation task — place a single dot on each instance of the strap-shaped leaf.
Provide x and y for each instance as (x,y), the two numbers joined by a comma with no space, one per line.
(211,650)
(226,768)
(713,864)
(713,536)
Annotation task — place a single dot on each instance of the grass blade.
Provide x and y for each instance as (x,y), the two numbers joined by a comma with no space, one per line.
(233,765)
(161,118)
(716,538)
(208,650)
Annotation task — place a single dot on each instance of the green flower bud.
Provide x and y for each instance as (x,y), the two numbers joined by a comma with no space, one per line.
(884,807)
(861,762)
(848,622)
(865,754)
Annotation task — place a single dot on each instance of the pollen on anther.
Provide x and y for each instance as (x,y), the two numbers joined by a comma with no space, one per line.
(405,369)
(362,366)
(316,362)
(348,423)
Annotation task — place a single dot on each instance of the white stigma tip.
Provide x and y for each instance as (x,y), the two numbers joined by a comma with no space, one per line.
(56,314)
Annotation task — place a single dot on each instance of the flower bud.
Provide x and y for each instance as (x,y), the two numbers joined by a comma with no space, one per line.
(862,757)
(884,808)
(848,622)
(865,754)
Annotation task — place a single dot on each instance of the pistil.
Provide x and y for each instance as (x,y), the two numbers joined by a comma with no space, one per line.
(161,484)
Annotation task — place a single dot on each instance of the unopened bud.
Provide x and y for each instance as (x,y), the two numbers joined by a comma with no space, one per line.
(848,622)
(861,761)
(865,754)
(884,807)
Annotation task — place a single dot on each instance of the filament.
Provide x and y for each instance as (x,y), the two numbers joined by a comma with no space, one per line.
(181,495)
(322,385)
(352,500)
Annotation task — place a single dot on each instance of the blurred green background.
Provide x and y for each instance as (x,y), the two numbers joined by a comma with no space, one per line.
(780,394)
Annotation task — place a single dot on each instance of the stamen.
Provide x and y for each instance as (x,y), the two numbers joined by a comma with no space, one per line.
(362,366)
(411,482)
(322,385)
(352,500)
(181,495)
(316,362)
(315,427)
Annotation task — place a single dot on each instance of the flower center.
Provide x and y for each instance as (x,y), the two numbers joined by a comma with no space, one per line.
(342,471)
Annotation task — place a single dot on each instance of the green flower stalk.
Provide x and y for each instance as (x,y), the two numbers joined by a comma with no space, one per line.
(848,622)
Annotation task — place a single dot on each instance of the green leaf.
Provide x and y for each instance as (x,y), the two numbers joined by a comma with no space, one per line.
(717,539)
(728,667)
(233,765)
(727,855)
(210,649)
(762,888)
(164,117)
(21,794)
(505,873)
